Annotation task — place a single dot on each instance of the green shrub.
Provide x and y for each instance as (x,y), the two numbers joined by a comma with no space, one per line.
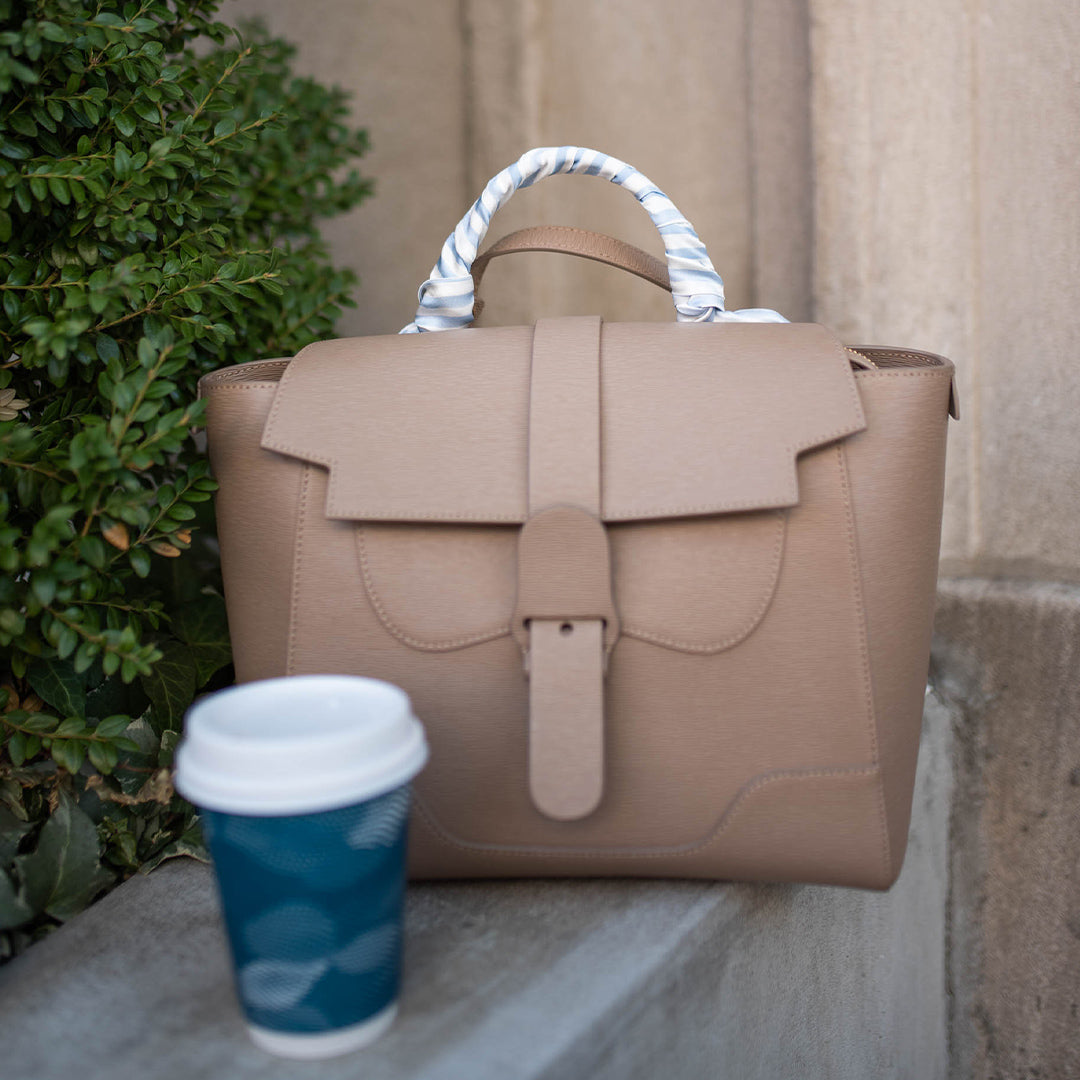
(161,177)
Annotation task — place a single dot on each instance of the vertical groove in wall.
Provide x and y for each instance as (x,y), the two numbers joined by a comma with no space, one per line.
(532,75)
(777,143)
(468,97)
(974,408)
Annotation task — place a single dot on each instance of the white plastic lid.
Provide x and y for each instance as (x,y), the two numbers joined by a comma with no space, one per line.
(298,745)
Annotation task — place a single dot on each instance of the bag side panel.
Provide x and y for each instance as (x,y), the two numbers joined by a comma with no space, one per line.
(257,514)
(896,469)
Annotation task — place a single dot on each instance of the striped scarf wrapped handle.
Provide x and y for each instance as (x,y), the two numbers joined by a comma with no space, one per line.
(446,298)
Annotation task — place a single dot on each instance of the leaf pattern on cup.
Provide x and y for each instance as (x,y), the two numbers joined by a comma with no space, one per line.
(369,951)
(279,984)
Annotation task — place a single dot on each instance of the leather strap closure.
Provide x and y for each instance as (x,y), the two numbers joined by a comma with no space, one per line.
(566,622)
(565,618)
(564,573)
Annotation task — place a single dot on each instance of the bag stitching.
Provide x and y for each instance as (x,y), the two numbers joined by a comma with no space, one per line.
(447,645)
(864,649)
(739,635)
(882,373)
(722,824)
(294,603)
(219,387)
(393,628)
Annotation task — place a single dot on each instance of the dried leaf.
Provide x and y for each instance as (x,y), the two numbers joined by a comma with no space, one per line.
(162,548)
(159,789)
(117,535)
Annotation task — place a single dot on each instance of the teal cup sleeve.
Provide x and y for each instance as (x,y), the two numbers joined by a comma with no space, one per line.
(313,907)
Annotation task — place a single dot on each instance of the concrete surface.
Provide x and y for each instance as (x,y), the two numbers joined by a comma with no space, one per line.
(1007,656)
(597,980)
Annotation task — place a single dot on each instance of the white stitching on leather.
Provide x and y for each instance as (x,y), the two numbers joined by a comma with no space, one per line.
(742,632)
(397,631)
(294,600)
(864,650)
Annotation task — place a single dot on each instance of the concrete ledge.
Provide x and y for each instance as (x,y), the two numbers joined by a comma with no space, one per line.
(604,980)
(1007,656)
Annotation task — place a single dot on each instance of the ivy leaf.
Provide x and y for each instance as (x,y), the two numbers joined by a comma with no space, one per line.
(171,685)
(190,844)
(203,626)
(63,874)
(56,682)
(14,909)
(12,830)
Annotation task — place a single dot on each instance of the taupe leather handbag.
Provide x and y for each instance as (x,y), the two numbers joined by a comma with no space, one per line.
(661,592)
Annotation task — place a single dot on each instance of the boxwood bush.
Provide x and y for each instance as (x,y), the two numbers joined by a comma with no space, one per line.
(161,180)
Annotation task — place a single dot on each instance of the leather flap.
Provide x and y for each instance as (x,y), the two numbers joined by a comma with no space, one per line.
(696,418)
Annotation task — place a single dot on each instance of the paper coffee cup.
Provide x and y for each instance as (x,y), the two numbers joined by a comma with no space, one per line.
(304,787)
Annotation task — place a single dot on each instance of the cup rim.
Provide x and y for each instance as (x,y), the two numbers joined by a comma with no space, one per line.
(245,752)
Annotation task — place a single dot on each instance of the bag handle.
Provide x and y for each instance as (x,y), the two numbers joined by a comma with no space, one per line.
(567,240)
(447,297)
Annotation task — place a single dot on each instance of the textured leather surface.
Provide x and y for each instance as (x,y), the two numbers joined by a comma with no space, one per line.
(773,521)
(435,427)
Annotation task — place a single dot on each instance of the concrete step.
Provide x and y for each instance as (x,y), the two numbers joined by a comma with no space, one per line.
(532,980)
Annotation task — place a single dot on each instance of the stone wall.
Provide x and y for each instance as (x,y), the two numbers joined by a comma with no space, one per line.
(947,216)
(710,100)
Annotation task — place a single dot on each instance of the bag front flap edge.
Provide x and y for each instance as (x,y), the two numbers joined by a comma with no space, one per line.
(695,419)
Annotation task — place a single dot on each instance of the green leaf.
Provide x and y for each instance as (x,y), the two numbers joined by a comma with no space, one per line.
(60,191)
(140,561)
(43,586)
(103,756)
(172,683)
(5,228)
(51,32)
(124,124)
(69,754)
(203,626)
(12,830)
(122,162)
(16,748)
(73,725)
(14,907)
(38,722)
(107,348)
(112,726)
(63,874)
(55,682)
(190,844)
